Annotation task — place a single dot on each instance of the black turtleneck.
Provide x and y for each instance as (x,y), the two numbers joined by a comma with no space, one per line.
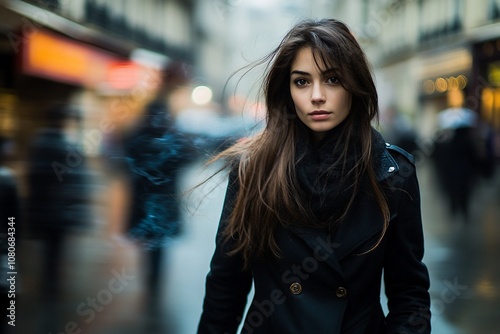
(324,176)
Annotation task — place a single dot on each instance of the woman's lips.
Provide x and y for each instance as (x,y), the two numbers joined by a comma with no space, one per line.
(320,115)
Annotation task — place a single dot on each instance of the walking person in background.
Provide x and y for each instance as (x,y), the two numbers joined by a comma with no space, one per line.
(58,199)
(155,153)
(458,155)
(318,206)
(457,161)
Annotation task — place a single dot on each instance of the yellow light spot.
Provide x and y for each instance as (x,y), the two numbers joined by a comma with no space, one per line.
(462,81)
(441,85)
(429,87)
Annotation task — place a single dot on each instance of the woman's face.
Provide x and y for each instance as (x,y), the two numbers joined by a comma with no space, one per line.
(320,101)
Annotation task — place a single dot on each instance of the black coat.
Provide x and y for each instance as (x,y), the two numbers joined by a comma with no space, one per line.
(327,284)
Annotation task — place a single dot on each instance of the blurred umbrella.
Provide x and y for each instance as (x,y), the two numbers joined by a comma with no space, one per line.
(453,118)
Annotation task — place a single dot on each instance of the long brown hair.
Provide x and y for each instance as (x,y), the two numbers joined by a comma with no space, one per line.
(268,192)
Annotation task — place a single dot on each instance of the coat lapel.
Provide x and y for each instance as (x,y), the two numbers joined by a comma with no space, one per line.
(362,223)
(319,241)
(364,219)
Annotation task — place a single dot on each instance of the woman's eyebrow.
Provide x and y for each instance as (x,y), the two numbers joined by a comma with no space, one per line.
(299,72)
(325,72)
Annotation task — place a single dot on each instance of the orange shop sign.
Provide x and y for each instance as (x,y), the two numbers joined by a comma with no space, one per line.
(58,58)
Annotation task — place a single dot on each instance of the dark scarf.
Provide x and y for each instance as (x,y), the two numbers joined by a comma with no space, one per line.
(324,180)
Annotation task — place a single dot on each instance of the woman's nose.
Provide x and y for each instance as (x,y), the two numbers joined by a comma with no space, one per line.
(317,94)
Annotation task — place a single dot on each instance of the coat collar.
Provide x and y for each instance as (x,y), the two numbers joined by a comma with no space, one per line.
(364,222)
(387,165)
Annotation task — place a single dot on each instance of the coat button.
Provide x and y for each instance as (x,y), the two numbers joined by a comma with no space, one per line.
(295,288)
(341,292)
(391,169)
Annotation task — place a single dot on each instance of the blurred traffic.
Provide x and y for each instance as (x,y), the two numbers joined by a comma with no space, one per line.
(107,107)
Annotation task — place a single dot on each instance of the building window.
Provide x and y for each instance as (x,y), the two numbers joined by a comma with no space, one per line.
(494,10)
(433,25)
(52,5)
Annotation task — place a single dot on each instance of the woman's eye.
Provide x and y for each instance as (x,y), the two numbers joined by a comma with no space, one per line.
(333,80)
(300,82)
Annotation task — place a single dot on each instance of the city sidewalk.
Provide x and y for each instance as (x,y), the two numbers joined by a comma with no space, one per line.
(462,257)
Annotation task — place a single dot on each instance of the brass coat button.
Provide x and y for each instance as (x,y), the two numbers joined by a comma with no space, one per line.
(295,288)
(341,292)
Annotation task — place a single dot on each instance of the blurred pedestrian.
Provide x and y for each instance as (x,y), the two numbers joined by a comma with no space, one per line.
(457,157)
(318,206)
(398,130)
(59,193)
(156,153)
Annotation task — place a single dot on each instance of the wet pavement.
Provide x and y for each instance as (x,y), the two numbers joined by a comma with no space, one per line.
(463,256)
(102,290)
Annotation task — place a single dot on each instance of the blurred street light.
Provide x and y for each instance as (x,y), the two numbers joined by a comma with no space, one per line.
(202,95)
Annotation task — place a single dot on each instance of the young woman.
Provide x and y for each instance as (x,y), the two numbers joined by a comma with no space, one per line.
(318,206)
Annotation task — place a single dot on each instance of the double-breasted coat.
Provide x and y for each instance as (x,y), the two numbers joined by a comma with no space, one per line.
(330,284)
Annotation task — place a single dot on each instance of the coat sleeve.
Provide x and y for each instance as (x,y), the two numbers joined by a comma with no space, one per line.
(227,283)
(406,276)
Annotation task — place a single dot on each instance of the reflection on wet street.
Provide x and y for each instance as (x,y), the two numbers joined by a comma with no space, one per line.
(463,259)
(103,291)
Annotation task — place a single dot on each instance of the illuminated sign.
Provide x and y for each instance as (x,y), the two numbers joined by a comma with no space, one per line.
(123,74)
(54,57)
(494,73)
